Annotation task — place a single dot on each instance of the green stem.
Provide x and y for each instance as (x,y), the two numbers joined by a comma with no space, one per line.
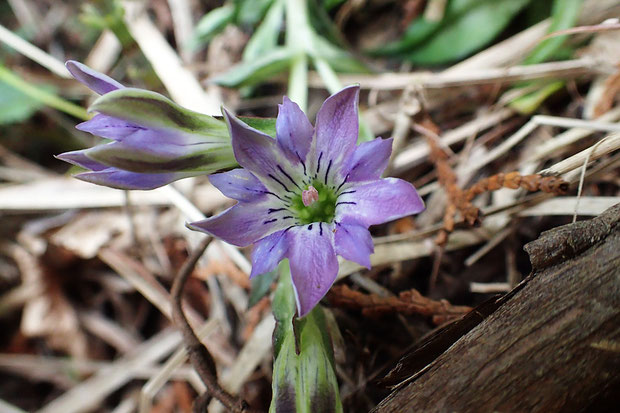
(297,38)
(327,74)
(304,378)
(41,95)
(298,81)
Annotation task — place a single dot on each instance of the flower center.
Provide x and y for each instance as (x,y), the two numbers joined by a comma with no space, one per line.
(315,204)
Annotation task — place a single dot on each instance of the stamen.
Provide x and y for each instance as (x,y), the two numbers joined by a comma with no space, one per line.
(310,196)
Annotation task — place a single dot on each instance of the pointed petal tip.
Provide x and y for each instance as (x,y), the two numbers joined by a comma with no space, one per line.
(94,80)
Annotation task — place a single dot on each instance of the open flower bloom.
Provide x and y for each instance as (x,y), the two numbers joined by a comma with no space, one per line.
(309,195)
(154,141)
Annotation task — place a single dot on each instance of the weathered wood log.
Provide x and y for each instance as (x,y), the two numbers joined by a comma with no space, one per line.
(553,345)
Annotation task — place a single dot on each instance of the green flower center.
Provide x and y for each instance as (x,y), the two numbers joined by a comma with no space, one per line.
(322,210)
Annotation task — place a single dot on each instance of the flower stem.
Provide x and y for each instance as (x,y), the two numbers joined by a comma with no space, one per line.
(41,95)
(304,378)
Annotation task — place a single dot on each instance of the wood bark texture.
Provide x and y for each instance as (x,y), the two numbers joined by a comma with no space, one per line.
(552,346)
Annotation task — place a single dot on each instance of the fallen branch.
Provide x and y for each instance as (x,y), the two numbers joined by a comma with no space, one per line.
(551,346)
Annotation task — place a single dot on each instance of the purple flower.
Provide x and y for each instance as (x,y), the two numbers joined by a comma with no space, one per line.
(309,195)
(154,141)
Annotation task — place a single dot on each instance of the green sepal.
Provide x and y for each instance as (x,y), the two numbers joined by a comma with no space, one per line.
(205,161)
(304,379)
(153,110)
(264,67)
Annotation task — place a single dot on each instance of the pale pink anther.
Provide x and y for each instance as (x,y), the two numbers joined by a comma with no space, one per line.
(310,196)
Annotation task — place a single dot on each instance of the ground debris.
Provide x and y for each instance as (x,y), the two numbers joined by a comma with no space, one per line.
(407,302)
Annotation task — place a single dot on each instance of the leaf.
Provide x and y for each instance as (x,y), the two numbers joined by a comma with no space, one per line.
(471,31)
(261,285)
(265,38)
(421,29)
(528,104)
(418,31)
(15,106)
(304,378)
(340,60)
(564,16)
(210,25)
(250,12)
(249,73)
(151,109)
(330,4)
(265,125)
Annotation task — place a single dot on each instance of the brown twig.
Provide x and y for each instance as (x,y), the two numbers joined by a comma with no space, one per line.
(407,302)
(198,354)
(459,200)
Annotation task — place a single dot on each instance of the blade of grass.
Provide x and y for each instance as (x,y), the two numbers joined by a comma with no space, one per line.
(41,95)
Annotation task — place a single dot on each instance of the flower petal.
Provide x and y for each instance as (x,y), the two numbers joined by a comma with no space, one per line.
(244,223)
(98,82)
(354,243)
(293,129)
(313,261)
(369,160)
(238,184)
(108,127)
(376,202)
(268,252)
(337,128)
(116,178)
(260,154)
(80,159)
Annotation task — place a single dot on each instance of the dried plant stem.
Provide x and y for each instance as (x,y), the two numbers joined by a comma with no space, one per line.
(198,354)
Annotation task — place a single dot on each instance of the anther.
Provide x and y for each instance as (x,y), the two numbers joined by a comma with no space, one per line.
(310,196)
